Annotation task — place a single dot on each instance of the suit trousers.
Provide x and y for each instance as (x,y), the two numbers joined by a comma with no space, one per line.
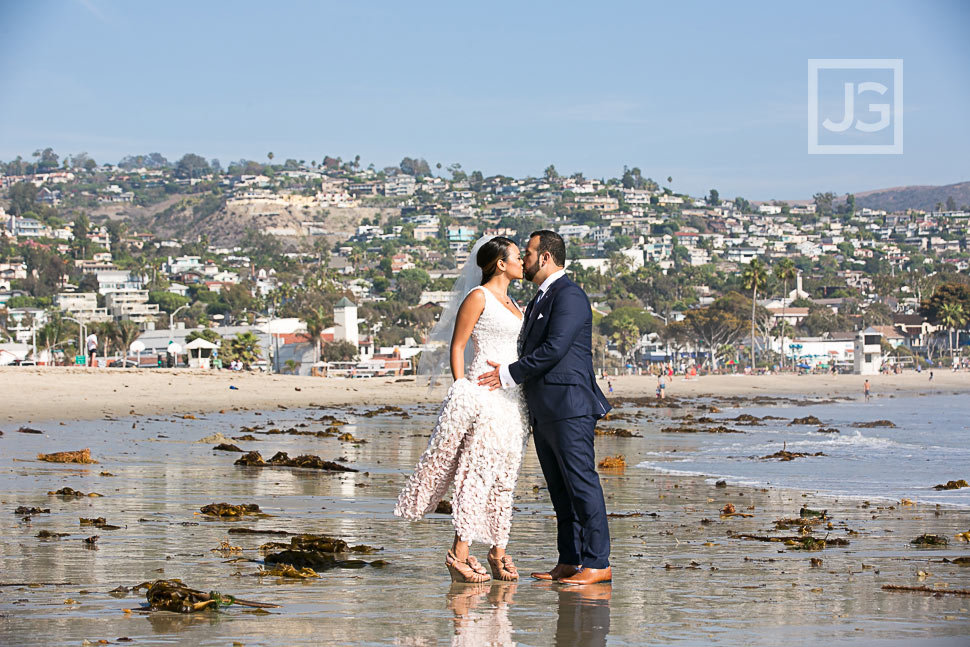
(565,451)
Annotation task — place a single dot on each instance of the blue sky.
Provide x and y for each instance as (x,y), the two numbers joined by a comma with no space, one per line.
(711,93)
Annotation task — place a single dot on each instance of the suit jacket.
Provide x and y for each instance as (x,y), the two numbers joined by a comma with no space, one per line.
(555,367)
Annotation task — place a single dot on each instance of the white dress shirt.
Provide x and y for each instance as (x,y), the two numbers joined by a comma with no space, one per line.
(503,370)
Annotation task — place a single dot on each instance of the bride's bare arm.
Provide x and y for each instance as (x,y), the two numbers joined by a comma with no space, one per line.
(469,312)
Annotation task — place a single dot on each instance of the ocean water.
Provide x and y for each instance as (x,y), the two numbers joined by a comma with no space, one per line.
(929,445)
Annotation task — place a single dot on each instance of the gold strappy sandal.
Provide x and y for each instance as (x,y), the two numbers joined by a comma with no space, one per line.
(503,568)
(469,571)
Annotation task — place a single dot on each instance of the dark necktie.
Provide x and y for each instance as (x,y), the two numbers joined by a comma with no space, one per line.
(532,305)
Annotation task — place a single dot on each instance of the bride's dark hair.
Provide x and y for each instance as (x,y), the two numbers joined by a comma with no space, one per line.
(490,254)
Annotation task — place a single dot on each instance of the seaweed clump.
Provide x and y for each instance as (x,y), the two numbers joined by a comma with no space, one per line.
(930,540)
(807,420)
(25,510)
(319,553)
(952,485)
(82,456)
(282,459)
(617,462)
(785,455)
(71,492)
(172,595)
(229,510)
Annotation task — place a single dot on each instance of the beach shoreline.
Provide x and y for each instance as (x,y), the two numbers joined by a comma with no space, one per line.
(35,394)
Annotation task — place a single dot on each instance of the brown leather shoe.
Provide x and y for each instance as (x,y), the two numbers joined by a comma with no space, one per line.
(561,570)
(589,576)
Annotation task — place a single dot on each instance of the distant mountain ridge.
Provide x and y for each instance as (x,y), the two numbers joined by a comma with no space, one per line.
(926,198)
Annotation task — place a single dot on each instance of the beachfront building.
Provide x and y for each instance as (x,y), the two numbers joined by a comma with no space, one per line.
(868,352)
(82,306)
(815,352)
(132,305)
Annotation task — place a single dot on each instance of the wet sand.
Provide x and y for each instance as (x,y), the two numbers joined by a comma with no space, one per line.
(683,573)
(58,393)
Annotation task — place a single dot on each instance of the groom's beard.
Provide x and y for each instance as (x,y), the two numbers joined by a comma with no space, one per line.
(529,273)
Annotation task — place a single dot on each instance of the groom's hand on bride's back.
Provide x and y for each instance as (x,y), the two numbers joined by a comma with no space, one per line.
(491,379)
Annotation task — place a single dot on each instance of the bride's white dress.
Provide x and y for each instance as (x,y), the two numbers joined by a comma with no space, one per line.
(478,442)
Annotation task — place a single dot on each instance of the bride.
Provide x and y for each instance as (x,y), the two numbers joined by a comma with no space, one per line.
(480,435)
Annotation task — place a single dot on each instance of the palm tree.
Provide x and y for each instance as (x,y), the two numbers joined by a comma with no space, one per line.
(53,333)
(107,334)
(755,276)
(626,336)
(125,333)
(953,317)
(315,325)
(786,271)
(245,347)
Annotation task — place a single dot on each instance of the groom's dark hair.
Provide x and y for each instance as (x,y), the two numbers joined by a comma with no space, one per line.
(550,241)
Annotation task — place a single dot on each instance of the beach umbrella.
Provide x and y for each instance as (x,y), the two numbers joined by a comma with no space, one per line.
(137,347)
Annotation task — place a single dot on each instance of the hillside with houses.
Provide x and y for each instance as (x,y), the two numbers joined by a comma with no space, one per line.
(332,267)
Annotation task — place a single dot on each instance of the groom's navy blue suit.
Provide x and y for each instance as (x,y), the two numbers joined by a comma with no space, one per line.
(555,369)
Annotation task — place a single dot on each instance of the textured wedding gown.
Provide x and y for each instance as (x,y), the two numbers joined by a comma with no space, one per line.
(478,441)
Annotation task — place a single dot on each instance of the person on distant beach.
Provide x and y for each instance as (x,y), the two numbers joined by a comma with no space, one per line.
(931,376)
(92,346)
(866,389)
(609,384)
(481,434)
(661,386)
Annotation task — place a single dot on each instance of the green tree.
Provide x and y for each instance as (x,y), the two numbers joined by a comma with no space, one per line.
(207,334)
(953,317)
(642,320)
(238,299)
(54,332)
(714,198)
(107,333)
(167,301)
(626,335)
(192,166)
(410,285)
(316,322)
(23,198)
(45,270)
(81,244)
(243,347)
(125,333)
(719,324)
(755,276)
(785,271)
(47,160)
(945,293)
(823,203)
(341,351)
(415,166)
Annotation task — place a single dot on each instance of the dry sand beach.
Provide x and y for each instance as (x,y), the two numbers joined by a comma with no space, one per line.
(691,560)
(57,393)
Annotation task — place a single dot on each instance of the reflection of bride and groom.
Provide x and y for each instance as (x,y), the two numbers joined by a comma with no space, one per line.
(481,614)
(531,370)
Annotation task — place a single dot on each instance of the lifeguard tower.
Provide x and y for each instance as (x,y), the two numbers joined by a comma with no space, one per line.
(867,352)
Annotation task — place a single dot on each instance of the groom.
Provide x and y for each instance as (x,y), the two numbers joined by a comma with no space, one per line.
(555,368)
